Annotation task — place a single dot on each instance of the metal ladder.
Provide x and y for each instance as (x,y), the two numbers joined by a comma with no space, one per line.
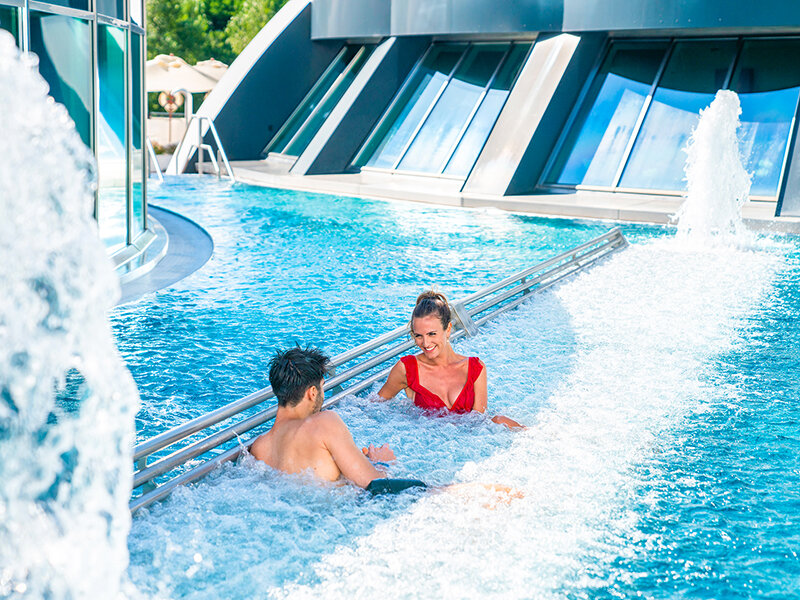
(201,147)
(219,438)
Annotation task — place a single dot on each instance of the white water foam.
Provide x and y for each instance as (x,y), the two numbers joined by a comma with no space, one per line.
(646,324)
(717,182)
(66,401)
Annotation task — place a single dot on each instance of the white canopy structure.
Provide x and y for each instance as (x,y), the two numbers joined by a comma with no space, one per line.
(212,67)
(167,72)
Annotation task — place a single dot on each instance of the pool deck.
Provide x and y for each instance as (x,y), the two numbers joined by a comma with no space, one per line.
(614,206)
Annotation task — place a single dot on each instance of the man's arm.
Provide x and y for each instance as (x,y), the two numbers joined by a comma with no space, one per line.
(395,382)
(339,442)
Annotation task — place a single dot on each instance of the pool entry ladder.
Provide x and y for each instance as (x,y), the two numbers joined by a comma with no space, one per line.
(189,451)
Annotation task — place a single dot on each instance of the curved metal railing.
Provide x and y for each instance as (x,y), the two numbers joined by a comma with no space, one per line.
(175,468)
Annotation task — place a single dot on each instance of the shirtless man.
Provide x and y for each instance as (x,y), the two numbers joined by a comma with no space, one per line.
(302,437)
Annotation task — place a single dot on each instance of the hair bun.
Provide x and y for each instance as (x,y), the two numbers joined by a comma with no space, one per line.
(432,295)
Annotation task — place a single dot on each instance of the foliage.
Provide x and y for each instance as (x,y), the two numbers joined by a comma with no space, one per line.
(176,27)
(249,20)
(197,30)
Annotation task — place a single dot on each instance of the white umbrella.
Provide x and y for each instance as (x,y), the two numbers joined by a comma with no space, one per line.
(166,72)
(212,67)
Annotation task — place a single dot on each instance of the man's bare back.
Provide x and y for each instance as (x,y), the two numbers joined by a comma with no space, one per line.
(304,438)
(320,442)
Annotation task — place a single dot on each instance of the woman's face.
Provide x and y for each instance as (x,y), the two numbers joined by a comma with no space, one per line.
(430,336)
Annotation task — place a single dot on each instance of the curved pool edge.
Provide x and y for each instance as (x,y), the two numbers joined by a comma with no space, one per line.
(188,248)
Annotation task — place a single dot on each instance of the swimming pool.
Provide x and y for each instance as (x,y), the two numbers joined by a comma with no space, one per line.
(661,459)
(308,268)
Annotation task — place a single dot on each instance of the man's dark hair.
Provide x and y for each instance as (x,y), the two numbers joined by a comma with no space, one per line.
(293,371)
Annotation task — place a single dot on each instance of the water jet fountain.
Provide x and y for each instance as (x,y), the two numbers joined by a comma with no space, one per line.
(66,400)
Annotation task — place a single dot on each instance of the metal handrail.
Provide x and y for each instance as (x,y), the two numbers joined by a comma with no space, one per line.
(200,146)
(151,153)
(508,293)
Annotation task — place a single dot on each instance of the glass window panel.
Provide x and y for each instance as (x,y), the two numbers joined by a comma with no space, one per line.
(112,169)
(64,47)
(696,70)
(432,145)
(410,107)
(597,140)
(312,99)
(9,20)
(137,155)
(325,106)
(77,4)
(112,8)
(767,79)
(478,130)
(137,12)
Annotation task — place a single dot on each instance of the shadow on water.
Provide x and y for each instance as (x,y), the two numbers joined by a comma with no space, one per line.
(246,529)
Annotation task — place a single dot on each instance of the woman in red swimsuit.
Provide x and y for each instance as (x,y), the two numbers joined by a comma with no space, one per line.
(439,378)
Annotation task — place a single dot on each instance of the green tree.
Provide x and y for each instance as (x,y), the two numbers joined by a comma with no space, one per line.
(246,23)
(178,27)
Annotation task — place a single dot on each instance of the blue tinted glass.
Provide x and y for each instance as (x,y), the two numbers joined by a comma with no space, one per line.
(695,72)
(112,166)
(137,155)
(767,79)
(474,138)
(435,140)
(313,98)
(411,105)
(323,110)
(9,20)
(596,144)
(64,47)
(112,8)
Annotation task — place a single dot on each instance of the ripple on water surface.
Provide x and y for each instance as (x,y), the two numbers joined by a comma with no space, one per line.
(660,460)
(308,268)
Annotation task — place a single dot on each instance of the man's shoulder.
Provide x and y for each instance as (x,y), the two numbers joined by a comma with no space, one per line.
(325,420)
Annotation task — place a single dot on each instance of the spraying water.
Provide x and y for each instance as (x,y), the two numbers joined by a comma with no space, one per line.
(66,401)
(717,182)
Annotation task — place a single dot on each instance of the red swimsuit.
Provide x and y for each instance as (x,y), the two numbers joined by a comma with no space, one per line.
(426,399)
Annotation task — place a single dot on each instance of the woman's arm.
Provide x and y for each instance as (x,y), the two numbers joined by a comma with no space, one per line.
(395,382)
(481,393)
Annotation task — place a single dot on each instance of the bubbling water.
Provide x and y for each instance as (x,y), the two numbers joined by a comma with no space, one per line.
(66,401)
(717,182)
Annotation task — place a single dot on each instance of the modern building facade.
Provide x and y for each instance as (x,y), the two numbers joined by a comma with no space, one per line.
(480,99)
(91,53)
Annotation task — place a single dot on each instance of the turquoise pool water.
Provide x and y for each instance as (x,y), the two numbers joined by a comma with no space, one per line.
(662,458)
(308,268)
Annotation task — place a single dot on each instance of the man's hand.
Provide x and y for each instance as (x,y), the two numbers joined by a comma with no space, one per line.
(379,454)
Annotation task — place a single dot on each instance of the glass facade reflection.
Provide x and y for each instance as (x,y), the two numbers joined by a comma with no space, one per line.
(137,158)
(767,79)
(64,47)
(443,114)
(694,73)
(9,20)
(94,67)
(606,121)
(642,106)
(112,143)
(311,113)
